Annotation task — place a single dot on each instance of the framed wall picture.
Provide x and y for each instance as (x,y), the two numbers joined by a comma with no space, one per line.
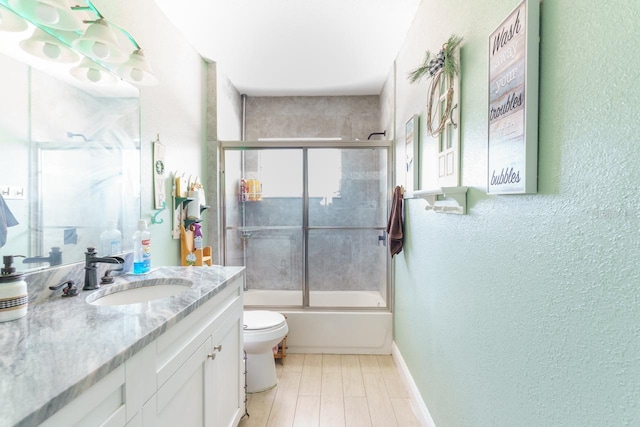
(412,155)
(513,102)
(160,197)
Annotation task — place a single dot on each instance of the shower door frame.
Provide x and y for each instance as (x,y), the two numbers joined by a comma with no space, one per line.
(304,145)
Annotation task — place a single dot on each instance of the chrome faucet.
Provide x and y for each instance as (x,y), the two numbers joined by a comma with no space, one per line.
(91,269)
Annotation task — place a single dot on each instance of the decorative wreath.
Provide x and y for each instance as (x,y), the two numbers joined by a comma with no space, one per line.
(443,64)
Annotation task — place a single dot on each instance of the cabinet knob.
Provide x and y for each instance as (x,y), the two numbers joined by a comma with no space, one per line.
(213,354)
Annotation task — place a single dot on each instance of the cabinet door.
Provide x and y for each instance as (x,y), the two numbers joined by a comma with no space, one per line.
(181,400)
(101,405)
(225,376)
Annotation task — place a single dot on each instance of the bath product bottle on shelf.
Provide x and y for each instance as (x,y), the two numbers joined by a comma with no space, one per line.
(197,236)
(142,249)
(13,292)
(111,240)
(244,190)
(253,189)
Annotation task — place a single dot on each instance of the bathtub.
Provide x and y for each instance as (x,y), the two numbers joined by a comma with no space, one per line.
(337,324)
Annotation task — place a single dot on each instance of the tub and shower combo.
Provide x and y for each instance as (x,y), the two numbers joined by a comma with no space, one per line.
(307,219)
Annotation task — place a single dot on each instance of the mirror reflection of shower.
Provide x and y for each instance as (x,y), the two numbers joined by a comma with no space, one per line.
(72,135)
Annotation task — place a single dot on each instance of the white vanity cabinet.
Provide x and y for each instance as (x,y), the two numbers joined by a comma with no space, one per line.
(101,405)
(200,370)
(191,375)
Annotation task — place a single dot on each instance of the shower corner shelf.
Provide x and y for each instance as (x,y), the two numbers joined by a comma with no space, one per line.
(445,199)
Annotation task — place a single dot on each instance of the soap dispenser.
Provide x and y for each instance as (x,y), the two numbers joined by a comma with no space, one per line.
(14,298)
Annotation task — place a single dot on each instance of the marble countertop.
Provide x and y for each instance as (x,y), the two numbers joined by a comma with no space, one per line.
(65,345)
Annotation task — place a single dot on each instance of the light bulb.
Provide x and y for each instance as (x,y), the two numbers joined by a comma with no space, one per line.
(137,74)
(51,50)
(94,75)
(48,15)
(100,50)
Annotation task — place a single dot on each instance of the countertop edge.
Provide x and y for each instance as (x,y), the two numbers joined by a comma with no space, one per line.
(44,412)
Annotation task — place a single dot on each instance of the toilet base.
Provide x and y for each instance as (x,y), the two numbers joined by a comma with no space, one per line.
(261,372)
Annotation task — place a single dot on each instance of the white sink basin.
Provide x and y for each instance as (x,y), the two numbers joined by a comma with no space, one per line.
(139,291)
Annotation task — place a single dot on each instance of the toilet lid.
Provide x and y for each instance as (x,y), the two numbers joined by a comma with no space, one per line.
(261,319)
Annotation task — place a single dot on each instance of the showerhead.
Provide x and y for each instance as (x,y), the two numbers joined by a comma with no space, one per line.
(71,135)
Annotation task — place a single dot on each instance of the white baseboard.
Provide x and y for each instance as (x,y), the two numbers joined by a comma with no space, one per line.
(419,407)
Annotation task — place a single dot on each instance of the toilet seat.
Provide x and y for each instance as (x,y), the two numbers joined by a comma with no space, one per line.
(260,320)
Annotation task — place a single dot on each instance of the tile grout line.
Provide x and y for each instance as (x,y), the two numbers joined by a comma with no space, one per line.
(376,375)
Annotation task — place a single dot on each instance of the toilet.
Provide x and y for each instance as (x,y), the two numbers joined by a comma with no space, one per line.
(263,330)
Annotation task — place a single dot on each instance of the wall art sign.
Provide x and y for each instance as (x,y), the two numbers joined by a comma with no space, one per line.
(513,102)
(412,155)
(160,197)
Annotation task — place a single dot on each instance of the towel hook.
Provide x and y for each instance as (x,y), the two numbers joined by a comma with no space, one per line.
(154,218)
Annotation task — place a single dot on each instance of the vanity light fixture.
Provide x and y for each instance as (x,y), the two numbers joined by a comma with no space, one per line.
(49,13)
(44,46)
(89,71)
(137,70)
(11,22)
(99,42)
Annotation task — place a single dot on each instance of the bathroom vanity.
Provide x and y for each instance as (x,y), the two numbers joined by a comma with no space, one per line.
(175,360)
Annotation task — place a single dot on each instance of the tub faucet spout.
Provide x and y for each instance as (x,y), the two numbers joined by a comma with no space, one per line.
(91,268)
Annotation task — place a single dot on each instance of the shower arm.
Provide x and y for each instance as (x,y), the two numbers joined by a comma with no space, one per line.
(384,133)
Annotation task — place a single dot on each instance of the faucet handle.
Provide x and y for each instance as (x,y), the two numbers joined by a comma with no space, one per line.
(107,278)
(70,290)
(59,285)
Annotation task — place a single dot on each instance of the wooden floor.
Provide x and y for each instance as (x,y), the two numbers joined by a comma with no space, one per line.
(333,391)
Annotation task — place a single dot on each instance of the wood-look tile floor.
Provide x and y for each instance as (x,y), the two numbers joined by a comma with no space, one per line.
(316,390)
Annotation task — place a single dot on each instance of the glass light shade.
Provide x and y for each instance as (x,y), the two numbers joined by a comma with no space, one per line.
(9,21)
(49,13)
(100,43)
(137,71)
(45,46)
(90,72)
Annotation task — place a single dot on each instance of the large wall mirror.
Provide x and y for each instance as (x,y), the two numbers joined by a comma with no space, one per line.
(69,165)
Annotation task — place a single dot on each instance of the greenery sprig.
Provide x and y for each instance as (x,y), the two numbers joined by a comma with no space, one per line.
(445,60)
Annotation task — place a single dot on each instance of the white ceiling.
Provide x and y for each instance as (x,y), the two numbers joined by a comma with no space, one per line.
(297,47)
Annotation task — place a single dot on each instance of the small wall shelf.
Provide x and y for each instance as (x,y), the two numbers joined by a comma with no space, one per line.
(179,208)
(181,201)
(189,255)
(445,199)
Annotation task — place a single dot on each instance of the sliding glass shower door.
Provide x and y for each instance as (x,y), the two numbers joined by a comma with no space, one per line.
(346,255)
(308,223)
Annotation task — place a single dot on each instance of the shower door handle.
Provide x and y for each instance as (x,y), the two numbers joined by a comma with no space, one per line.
(382,238)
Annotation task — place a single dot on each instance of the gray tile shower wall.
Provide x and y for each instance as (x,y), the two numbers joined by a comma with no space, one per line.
(347,117)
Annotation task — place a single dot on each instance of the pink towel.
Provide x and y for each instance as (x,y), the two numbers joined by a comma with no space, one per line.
(394,225)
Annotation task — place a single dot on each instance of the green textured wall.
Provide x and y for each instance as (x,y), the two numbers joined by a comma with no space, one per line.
(526,311)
